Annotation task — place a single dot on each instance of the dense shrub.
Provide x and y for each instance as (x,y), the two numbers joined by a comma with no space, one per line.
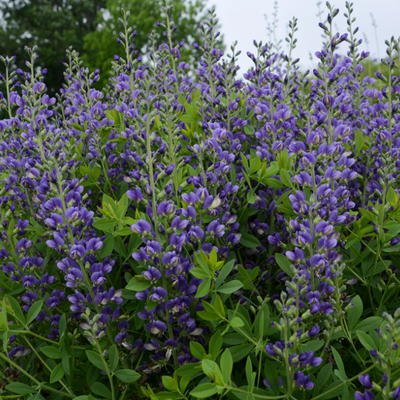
(188,234)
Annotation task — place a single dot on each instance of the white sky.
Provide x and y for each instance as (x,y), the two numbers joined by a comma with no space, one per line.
(243,20)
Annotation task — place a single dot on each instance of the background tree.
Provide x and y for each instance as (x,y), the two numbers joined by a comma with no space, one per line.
(91,28)
(53,25)
(100,45)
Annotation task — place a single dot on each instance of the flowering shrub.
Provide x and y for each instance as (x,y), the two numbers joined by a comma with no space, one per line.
(188,234)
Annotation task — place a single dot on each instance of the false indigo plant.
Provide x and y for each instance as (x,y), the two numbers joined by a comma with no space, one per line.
(186,223)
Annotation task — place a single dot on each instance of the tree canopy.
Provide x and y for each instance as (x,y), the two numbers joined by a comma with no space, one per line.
(52,25)
(91,28)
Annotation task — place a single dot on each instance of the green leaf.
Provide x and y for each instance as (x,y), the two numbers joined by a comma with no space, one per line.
(208,316)
(202,260)
(272,170)
(57,373)
(251,198)
(92,375)
(157,121)
(108,246)
(20,388)
(101,390)
(284,263)
(3,316)
(369,324)
(168,396)
(34,311)
(255,164)
(203,289)
(392,196)
(105,225)
(16,309)
(113,357)
(339,363)
(138,284)
(151,304)
(62,325)
(249,241)
(219,306)
(122,206)
(204,391)
(366,340)
(230,287)
(366,266)
(109,203)
(169,383)
(95,359)
(236,322)
(392,249)
(126,231)
(245,162)
(134,242)
(313,345)
(250,375)
(200,273)
(215,344)
(324,375)
(241,351)
(273,182)
(233,174)
(65,360)
(51,352)
(355,312)
(94,174)
(262,321)
(271,373)
(249,130)
(223,274)
(286,179)
(370,216)
(127,375)
(188,118)
(197,350)
(226,364)
(189,370)
(359,140)
(332,392)
(209,367)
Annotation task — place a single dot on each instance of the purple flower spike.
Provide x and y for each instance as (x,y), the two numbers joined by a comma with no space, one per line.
(368,395)
(152,274)
(314,331)
(366,381)
(303,380)
(159,294)
(142,227)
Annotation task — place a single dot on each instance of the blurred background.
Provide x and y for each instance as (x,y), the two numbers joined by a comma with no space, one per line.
(246,20)
(91,27)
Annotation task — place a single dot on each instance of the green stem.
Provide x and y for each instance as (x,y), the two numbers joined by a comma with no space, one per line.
(258,396)
(345,382)
(172,157)
(378,244)
(33,379)
(8,93)
(43,362)
(105,366)
(287,366)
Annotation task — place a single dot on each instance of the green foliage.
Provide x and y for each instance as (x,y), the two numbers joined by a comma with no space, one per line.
(54,25)
(90,27)
(100,45)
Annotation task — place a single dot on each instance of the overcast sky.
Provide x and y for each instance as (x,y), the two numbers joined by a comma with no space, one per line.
(243,20)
